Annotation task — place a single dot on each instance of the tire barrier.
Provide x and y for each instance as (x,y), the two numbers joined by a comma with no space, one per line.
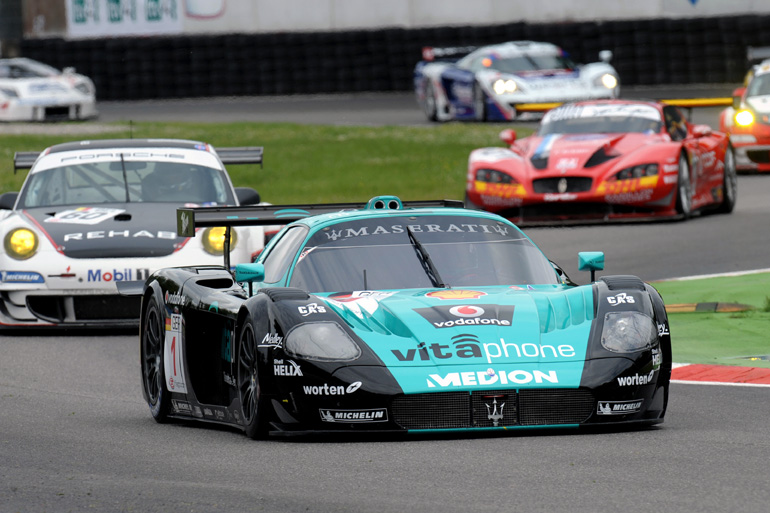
(653,51)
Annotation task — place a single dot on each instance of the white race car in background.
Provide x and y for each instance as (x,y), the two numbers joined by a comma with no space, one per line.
(495,83)
(93,213)
(33,91)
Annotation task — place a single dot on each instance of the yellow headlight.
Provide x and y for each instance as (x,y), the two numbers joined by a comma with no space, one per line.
(214,240)
(744,118)
(609,81)
(21,243)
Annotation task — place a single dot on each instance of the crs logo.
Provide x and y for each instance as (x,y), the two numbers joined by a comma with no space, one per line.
(312,308)
(620,299)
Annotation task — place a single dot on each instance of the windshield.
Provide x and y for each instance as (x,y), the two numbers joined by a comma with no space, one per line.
(601,119)
(129,181)
(524,63)
(454,250)
(759,85)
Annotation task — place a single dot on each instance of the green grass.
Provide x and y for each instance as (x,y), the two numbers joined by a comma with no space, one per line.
(315,164)
(720,338)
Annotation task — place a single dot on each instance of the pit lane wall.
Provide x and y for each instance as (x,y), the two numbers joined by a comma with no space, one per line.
(135,49)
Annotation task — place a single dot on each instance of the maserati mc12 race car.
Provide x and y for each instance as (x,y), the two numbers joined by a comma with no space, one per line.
(393,316)
(605,160)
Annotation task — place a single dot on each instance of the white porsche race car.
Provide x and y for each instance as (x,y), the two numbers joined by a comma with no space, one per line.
(497,82)
(93,213)
(33,91)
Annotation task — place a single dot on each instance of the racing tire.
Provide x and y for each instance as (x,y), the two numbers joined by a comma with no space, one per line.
(479,103)
(152,349)
(684,188)
(251,401)
(729,183)
(430,106)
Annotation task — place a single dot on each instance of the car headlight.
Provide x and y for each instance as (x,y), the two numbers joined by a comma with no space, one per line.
(9,92)
(214,240)
(501,86)
(637,171)
(325,341)
(628,332)
(493,176)
(83,88)
(607,80)
(744,118)
(21,243)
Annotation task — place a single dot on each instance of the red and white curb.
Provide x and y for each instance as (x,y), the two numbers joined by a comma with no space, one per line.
(702,374)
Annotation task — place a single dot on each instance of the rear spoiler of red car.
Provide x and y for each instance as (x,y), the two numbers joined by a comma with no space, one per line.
(686,103)
(188,219)
(228,156)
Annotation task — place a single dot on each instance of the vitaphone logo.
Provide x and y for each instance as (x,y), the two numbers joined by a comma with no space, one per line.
(468,346)
(467,315)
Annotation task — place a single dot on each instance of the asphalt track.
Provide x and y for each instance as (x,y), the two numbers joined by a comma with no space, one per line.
(75,434)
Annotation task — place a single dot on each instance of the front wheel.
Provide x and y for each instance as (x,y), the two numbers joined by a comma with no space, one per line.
(430,104)
(249,389)
(153,374)
(729,183)
(684,188)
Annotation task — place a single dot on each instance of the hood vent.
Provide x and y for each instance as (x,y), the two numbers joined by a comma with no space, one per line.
(600,157)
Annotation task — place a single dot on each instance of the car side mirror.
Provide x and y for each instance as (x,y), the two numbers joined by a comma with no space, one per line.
(8,200)
(591,261)
(249,273)
(701,130)
(508,136)
(247,196)
(605,56)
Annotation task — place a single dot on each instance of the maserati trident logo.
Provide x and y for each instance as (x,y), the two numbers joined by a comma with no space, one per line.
(492,412)
(185,221)
(561,186)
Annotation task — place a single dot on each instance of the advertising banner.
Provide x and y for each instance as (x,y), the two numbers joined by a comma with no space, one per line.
(109,18)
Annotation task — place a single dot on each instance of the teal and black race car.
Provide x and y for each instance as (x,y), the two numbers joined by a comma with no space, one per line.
(400,317)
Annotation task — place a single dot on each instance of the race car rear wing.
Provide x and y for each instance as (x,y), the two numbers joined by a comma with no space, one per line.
(228,156)
(188,219)
(686,103)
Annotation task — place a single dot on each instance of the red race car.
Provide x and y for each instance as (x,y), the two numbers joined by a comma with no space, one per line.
(748,121)
(605,160)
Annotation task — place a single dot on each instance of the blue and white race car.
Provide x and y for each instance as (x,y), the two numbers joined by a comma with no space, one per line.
(497,82)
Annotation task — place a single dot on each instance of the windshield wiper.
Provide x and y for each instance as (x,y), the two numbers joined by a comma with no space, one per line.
(426,261)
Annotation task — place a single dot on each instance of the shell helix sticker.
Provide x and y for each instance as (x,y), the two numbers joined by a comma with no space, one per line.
(173,355)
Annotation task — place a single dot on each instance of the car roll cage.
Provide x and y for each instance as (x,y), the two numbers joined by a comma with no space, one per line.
(188,219)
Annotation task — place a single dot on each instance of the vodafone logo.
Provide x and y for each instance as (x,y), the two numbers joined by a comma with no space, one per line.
(467,311)
(467,315)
